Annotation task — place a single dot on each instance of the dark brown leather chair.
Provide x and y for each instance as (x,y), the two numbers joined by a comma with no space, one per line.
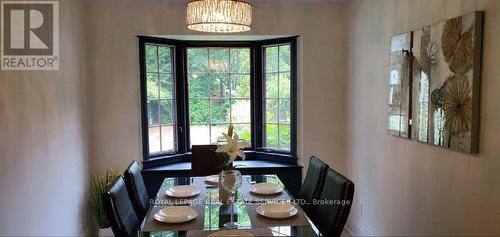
(330,218)
(119,210)
(204,160)
(313,182)
(137,189)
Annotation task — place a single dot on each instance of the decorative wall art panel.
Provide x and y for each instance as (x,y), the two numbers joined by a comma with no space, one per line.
(399,85)
(445,63)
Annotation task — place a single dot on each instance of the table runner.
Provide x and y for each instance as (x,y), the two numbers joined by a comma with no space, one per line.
(253,197)
(208,194)
(259,221)
(199,182)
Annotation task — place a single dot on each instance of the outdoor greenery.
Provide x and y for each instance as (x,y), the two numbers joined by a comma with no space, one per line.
(219,89)
(219,92)
(277,101)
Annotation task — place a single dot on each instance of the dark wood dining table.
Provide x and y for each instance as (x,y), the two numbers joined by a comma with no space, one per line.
(212,214)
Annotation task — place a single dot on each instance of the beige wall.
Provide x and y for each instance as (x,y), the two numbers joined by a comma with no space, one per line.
(114,114)
(408,188)
(43,170)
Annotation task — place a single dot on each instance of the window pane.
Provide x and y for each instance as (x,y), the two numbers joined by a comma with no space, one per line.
(272,86)
(219,86)
(198,60)
(219,60)
(167,138)
(277,97)
(166,112)
(199,111)
(151,58)
(244,131)
(152,85)
(240,60)
(154,140)
(284,134)
(219,96)
(216,132)
(166,86)
(153,109)
(272,136)
(284,111)
(284,64)
(271,59)
(272,110)
(165,59)
(284,85)
(219,110)
(240,86)
(199,134)
(199,86)
(240,111)
(160,92)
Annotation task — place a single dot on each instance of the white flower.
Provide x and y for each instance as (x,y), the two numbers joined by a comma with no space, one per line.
(233,148)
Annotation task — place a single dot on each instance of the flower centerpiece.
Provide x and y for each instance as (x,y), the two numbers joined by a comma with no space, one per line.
(229,148)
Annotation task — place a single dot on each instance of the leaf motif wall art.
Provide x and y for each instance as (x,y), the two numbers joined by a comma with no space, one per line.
(445,65)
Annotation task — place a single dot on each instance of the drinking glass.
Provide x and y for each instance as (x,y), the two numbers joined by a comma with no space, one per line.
(231,181)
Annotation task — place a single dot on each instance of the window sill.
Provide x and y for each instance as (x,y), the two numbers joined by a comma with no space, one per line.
(278,158)
(243,165)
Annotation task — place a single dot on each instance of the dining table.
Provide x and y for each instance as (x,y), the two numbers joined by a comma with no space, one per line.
(212,214)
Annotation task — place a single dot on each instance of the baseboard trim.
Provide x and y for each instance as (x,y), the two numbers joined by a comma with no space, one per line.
(354,227)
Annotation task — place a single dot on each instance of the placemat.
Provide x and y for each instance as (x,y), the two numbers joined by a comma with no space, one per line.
(199,182)
(253,197)
(153,225)
(259,221)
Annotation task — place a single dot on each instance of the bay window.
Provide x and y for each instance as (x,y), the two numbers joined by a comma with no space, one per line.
(192,90)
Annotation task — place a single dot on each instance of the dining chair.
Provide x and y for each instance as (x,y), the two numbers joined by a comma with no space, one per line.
(204,160)
(330,214)
(137,189)
(119,211)
(313,182)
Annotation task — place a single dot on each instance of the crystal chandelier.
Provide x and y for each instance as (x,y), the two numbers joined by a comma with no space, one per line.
(219,16)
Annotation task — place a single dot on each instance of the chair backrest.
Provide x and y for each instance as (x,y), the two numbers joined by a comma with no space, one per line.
(313,182)
(336,197)
(204,160)
(119,210)
(137,189)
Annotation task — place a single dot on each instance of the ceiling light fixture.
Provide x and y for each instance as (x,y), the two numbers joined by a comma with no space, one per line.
(219,16)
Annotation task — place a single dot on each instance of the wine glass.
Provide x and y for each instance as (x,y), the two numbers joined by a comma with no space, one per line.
(231,181)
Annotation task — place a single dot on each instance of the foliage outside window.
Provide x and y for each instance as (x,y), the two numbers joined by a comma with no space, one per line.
(219,93)
(192,90)
(277,97)
(160,99)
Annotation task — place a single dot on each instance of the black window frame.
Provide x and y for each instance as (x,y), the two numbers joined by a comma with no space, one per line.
(257,151)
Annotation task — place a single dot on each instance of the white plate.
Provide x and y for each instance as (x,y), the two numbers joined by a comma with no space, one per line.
(230,233)
(277,210)
(266,188)
(213,179)
(182,191)
(176,214)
